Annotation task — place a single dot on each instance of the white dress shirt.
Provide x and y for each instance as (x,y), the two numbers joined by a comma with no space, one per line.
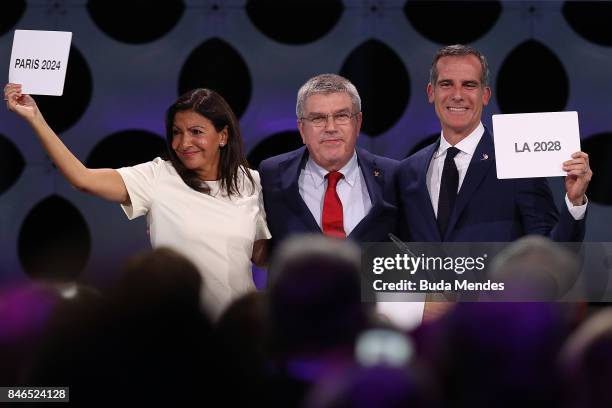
(467,148)
(351,189)
(356,203)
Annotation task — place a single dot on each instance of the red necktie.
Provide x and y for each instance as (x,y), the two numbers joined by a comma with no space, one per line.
(332,221)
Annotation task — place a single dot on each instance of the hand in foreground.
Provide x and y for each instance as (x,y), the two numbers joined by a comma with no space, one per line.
(19,103)
(578,177)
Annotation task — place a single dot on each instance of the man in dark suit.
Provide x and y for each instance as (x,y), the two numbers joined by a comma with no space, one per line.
(329,186)
(460,198)
(449,190)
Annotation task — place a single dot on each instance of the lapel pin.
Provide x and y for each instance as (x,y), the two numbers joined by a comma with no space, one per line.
(484,157)
(376,173)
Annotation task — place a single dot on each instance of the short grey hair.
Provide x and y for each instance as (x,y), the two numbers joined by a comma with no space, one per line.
(326,84)
(459,50)
(535,259)
(303,247)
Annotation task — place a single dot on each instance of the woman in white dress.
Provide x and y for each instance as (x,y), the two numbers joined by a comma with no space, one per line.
(203,200)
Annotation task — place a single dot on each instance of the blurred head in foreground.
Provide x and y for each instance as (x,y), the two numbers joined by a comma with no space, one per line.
(535,268)
(586,362)
(315,297)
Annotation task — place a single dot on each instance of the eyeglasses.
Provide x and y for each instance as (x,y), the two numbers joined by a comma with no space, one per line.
(340,118)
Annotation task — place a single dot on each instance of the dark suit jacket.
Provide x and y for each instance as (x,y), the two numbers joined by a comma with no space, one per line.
(288,214)
(486,209)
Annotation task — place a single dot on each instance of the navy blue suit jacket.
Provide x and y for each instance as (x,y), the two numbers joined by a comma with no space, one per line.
(288,214)
(487,209)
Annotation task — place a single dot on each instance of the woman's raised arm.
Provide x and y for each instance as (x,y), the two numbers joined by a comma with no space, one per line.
(104,183)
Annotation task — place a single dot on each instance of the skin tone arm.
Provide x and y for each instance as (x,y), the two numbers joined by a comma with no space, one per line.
(260,253)
(104,183)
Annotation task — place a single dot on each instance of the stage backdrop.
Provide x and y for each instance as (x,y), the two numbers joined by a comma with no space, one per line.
(131,59)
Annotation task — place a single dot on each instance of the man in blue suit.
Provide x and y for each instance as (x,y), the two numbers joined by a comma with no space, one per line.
(449,191)
(329,186)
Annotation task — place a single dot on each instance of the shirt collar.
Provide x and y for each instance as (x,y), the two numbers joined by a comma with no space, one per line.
(318,173)
(467,145)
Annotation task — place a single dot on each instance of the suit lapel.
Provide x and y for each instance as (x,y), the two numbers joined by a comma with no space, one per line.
(375,180)
(423,193)
(289,174)
(481,162)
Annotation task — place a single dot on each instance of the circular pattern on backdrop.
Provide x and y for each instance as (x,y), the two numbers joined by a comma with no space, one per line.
(590,19)
(215,64)
(61,112)
(278,143)
(438,20)
(294,22)
(135,21)
(520,84)
(382,82)
(423,143)
(12,11)
(11,163)
(54,241)
(599,149)
(126,148)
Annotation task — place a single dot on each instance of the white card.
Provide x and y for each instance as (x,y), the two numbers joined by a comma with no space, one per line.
(534,144)
(39,60)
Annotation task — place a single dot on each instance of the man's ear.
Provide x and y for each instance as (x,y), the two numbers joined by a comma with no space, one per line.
(486,95)
(300,124)
(430,92)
